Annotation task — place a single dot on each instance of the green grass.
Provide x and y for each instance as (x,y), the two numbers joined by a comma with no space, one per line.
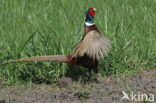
(52,27)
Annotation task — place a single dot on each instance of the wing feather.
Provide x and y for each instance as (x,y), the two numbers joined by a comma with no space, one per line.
(94,44)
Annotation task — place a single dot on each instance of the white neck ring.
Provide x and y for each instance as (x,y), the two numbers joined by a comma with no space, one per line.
(89,24)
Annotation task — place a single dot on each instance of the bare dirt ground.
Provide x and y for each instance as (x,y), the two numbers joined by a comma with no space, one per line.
(109,90)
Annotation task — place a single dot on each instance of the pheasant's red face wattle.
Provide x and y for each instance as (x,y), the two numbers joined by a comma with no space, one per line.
(92,11)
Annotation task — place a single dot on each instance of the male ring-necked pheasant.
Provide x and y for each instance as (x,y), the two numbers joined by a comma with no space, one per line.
(87,52)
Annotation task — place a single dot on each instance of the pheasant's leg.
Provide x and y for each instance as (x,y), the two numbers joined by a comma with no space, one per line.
(90,73)
(95,70)
(96,75)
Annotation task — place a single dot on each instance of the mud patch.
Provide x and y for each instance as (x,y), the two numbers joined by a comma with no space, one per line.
(109,90)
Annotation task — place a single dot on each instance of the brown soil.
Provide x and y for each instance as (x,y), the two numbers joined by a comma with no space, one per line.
(108,90)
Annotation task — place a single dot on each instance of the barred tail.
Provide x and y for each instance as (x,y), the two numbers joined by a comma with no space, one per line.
(57,58)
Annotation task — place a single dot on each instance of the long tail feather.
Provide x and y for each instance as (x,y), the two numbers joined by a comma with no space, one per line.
(57,58)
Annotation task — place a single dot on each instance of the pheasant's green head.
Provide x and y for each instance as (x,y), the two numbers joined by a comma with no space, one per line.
(90,15)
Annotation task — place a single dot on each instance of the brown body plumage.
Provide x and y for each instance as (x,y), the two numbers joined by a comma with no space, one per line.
(87,52)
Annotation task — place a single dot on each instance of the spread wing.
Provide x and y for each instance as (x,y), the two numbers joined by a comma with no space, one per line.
(94,45)
(77,46)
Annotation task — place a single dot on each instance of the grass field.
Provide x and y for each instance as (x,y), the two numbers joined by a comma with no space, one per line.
(52,27)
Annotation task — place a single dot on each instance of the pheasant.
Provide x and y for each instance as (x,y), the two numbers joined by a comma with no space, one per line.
(87,52)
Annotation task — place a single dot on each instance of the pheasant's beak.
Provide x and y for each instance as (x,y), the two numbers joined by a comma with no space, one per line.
(94,9)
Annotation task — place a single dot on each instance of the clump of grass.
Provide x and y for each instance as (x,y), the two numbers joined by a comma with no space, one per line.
(82,94)
(130,25)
